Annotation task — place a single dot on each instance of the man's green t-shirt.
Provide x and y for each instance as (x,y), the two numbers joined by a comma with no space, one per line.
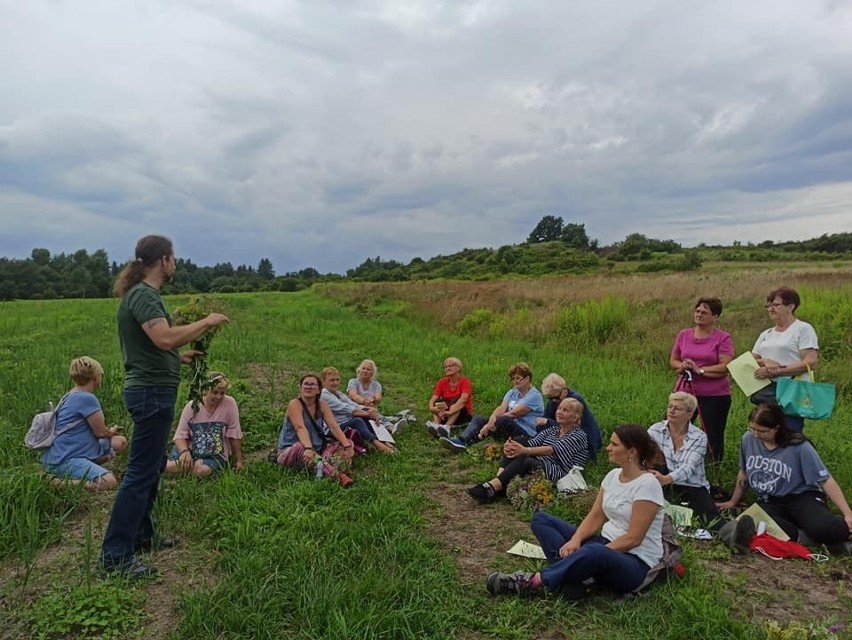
(145,364)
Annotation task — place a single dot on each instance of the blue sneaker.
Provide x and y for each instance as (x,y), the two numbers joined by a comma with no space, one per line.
(453,444)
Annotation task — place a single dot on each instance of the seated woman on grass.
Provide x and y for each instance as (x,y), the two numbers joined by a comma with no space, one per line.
(302,443)
(83,442)
(364,388)
(513,418)
(555,389)
(792,484)
(680,471)
(556,450)
(616,544)
(351,415)
(451,403)
(208,434)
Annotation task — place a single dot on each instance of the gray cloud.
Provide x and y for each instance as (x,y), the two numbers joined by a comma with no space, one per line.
(321,133)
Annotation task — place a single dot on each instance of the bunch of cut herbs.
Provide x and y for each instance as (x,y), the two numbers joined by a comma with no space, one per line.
(196,374)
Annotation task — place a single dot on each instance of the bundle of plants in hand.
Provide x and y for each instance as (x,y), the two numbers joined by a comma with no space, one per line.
(533,491)
(198,308)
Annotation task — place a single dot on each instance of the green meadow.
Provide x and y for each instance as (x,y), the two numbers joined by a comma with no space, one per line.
(269,553)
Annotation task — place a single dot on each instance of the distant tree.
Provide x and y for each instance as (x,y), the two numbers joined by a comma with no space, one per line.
(265,270)
(547,230)
(223,269)
(574,235)
(41,257)
(309,274)
(639,246)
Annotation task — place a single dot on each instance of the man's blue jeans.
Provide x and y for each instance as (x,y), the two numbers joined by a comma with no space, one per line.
(152,410)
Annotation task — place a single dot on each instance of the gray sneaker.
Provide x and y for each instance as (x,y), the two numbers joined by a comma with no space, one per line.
(500,583)
(737,534)
(443,431)
(432,428)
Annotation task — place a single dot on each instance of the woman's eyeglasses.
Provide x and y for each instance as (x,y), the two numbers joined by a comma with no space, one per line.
(759,432)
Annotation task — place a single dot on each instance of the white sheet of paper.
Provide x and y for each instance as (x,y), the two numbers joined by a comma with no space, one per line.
(527,550)
(742,370)
(381,432)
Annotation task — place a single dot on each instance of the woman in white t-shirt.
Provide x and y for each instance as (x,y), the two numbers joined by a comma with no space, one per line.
(628,512)
(788,348)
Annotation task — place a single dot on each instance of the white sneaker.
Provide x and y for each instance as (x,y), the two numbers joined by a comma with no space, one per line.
(443,431)
(397,426)
(432,427)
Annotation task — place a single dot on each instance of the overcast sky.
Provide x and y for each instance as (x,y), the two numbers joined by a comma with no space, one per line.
(323,132)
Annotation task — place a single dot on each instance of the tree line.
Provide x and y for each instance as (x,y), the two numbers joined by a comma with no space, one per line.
(84,275)
(553,247)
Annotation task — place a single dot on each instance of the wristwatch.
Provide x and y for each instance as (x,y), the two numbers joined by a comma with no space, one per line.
(701,372)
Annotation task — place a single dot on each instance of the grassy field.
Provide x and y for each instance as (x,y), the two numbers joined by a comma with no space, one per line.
(404,553)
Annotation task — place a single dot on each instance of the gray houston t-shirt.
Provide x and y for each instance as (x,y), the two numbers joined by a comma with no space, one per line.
(781,471)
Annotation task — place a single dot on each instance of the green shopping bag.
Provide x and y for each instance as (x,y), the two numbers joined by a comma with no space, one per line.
(805,398)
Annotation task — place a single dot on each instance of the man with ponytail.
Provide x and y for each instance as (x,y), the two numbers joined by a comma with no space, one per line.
(149,350)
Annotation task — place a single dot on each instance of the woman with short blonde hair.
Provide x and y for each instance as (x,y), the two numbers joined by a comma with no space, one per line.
(365,389)
(681,472)
(83,442)
(556,450)
(452,400)
(556,389)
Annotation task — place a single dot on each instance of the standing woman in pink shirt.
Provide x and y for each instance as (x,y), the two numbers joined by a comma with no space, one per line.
(705,351)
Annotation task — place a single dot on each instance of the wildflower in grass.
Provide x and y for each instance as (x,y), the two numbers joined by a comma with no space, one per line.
(531,492)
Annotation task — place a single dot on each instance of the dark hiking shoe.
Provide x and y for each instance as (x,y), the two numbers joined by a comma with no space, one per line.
(133,570)
(573,592)
(456,445)
(157,544)
(480,493)
(840,549)
(744,533)
(518,582)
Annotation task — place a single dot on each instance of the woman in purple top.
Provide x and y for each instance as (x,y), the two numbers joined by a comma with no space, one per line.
(701,355)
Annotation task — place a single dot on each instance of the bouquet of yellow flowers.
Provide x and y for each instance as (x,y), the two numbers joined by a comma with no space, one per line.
(533,491)
(493,452)
(198,308)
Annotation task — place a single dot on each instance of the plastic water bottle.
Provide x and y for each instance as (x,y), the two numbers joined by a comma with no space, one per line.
(318,463)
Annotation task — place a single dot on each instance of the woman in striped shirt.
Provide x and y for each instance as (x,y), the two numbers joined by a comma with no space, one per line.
(555,450)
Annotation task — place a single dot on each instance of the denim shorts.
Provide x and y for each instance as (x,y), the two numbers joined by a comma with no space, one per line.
(82,468)
(215,464)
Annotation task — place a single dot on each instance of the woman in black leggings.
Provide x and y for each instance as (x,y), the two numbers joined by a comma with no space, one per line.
(555,450)
(791,482)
